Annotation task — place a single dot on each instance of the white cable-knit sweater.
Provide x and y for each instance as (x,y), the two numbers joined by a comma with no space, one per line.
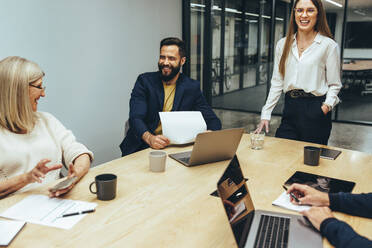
(20,153)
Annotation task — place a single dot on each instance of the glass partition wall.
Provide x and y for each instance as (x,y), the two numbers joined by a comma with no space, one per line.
(356,93)
(239,37)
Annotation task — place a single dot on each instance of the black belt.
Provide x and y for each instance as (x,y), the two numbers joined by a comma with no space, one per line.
(298,94)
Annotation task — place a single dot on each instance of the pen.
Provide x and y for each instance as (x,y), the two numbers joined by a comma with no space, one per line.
(77,213)
(293,195)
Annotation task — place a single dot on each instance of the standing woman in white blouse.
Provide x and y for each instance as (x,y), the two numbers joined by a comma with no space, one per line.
(33,145)
(307,70)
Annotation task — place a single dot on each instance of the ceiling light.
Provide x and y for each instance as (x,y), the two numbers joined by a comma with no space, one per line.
(334,3)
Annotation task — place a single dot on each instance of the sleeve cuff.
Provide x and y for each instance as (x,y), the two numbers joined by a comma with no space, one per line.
(265,116)
(334,201)
(332,102)
(78,153)
(324,224)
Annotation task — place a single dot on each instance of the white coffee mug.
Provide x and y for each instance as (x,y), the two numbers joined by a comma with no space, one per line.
(157,161)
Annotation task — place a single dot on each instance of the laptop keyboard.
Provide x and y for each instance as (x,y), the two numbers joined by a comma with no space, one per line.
(185,159)
(272,232)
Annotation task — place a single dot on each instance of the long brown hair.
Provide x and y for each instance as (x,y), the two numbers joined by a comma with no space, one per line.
(321,26)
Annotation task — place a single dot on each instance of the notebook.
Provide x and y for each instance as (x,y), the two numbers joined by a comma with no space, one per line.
(9,229)
(321,183)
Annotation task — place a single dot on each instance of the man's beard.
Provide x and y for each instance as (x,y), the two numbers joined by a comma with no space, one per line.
(172,74)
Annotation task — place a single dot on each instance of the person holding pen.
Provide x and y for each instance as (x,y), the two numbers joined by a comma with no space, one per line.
(338,233)
(307,70)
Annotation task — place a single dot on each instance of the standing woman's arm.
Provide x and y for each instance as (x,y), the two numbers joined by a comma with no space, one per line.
(333,79)
(275,89)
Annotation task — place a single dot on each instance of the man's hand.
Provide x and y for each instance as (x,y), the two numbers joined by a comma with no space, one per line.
(40,170)
(317,215)
(308,195)
(263,124)
(155,141)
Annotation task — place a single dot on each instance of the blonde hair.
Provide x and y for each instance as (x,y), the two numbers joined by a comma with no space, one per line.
(321,26)
(16,112)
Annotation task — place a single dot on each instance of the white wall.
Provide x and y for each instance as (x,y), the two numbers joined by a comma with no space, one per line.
(92,52)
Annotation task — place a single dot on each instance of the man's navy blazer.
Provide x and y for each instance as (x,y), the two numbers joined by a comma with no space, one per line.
(147,100)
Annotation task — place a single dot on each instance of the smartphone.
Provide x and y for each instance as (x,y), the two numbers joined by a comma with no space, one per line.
(63,184)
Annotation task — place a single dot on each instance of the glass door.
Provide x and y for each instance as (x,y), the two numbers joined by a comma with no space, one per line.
(356,94)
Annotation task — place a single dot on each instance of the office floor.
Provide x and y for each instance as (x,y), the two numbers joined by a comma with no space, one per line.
(348,136)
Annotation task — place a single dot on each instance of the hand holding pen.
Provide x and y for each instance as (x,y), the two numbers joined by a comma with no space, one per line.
(305,195)
(293,196)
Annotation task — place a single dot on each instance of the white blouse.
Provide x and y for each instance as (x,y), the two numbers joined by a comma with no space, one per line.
(20,153)
(317,71)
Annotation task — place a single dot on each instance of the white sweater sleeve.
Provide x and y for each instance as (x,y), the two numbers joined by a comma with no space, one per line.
(71,149)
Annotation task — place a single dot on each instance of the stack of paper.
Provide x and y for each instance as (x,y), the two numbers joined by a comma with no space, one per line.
(41,209)
(284,201)
(181,127)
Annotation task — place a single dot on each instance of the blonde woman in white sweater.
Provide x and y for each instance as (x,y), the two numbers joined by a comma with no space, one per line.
(33,145)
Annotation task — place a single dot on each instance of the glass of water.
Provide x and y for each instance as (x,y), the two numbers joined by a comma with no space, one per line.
(257,140)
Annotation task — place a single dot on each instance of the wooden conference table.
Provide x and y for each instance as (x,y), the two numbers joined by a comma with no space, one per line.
(174,208)
(357,65)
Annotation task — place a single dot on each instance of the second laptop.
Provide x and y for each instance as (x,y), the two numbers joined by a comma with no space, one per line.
(211,147)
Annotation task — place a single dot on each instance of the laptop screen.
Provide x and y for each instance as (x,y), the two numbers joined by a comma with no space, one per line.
(236,200)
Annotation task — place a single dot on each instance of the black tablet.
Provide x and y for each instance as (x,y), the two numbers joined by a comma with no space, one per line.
(321,183)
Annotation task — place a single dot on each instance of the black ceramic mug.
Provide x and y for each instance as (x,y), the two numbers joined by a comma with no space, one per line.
(311,155)
(105,186)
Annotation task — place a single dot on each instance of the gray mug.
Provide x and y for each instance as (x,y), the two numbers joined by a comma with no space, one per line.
(311,155)
(105,186)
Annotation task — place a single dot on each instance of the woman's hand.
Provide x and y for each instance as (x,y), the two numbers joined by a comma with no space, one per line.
(71,173)
(263,124)
(78,168)
(40,171)
(324,109)
(35,175)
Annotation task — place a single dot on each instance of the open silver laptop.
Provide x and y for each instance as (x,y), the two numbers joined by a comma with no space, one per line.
(211,147)
(258,228)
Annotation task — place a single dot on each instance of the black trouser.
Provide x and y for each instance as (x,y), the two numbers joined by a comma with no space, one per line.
(304,120)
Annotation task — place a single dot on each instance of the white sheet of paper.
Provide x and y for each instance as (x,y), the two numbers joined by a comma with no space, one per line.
(41,209)
(182,127)
(284,201)
(8,230)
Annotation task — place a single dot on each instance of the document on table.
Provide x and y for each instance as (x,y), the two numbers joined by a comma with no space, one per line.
(181,127)
(8,230)
(41,209)
(284,201)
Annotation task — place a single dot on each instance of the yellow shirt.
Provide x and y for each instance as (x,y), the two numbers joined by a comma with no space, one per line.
(169,93)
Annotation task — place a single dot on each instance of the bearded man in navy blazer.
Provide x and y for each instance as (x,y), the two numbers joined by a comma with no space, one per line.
(165,90)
